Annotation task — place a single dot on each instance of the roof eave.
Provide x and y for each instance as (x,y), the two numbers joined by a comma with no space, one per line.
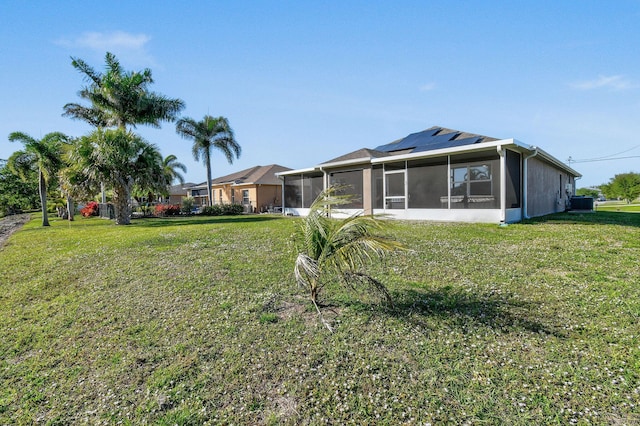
(298,171)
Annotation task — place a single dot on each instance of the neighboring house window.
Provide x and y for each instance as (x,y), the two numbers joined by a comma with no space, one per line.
(233,196)
(245,196)
(220,195)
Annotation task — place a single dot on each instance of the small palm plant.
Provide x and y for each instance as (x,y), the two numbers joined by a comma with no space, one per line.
(340,250)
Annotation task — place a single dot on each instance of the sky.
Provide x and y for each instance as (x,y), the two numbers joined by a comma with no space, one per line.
(304,82)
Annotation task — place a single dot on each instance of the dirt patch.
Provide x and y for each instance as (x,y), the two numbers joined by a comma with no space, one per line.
(10,224)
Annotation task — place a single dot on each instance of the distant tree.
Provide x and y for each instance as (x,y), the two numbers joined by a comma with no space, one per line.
(171,167)
(588,192)
(341,249)
(210,133)
(43,156)
(624,185)
(122,160)
(17,194)
(120,98)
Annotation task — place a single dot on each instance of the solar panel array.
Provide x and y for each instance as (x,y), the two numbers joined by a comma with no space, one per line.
(428,140)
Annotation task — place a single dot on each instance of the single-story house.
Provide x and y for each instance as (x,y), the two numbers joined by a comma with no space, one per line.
(256,188)
(440,174)
(178,192)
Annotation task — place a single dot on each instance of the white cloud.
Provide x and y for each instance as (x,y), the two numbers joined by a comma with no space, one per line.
(117,40)
(128,47)
(427,87)
(614,82)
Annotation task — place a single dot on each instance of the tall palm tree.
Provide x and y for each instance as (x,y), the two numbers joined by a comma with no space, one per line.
(120,98)
(210,133)
(340,249)
(170,166)
(44,155)
(121,159)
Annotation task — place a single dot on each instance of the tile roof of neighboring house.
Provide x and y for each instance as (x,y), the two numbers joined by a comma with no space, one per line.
(433,138)
(181,188)
(258,175)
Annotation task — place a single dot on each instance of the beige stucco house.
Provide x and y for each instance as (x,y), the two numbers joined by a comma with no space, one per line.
(257,189)
(441,174)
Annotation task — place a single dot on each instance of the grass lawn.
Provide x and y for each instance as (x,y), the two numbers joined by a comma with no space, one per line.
(617,206)
(198,320)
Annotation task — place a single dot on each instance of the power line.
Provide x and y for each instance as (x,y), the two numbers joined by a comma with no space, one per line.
(606,157)
(601,159)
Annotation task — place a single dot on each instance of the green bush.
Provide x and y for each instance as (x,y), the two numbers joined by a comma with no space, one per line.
(222,210)
(188,204)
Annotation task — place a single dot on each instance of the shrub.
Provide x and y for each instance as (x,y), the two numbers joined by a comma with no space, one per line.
(163,210)
(232,209)
(188,204)
(91,209)
(222,210)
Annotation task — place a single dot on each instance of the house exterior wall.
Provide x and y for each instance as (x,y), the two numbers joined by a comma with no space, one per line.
(267,197)
(546,188)
(261,197)
(221,194)
(176,199)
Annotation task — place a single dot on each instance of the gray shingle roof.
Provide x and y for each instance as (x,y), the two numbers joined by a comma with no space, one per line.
(258,175)
(360,153)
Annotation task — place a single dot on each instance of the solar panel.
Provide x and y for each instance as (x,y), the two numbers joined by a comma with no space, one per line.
(446,143)
(411,141)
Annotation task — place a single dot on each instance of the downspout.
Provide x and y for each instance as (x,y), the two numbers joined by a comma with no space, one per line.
(503,185)
(525,179)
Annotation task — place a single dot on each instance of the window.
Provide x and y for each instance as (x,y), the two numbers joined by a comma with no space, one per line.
(245,197)
(312,186)
(293,191)
(377,186)
(513,180)
(220,195)
(427,184)
(472,186)
(352,182)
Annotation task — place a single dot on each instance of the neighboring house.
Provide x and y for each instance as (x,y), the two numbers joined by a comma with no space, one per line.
(178,192)
(198,193)
(441,174)
(256,188)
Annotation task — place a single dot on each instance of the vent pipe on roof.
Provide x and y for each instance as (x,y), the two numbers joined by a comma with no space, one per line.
(525,185)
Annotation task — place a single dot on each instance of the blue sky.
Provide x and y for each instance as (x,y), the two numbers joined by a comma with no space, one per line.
(304,82)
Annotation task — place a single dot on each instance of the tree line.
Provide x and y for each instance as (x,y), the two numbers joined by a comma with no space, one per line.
(111,155)
(625,186)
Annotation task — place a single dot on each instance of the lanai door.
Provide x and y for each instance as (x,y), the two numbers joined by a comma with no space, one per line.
(395,196)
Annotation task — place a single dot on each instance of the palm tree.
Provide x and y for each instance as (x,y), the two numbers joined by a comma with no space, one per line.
(211,132)
(120,98)
(44,156)
(121,159)
(170,166)
(339,249)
